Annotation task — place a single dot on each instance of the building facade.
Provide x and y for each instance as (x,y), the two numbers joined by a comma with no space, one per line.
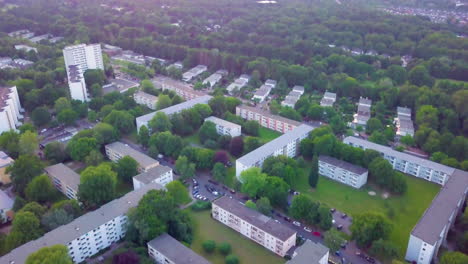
(146,99)
(64,179)
(263,230)
(363,113)
(5,162)
(262,93)
(406,163)
(118,150)
(194,72)
(10,109)
(77,84)
(293,96)
(238,83)
(167,250)
(214,78)
(88,234)
(287,145)
(342,171)
(265,119)
(224,127)
(183,90)
(160,174)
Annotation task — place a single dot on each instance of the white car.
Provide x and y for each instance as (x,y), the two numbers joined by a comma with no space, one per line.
(307,229)
(296,223)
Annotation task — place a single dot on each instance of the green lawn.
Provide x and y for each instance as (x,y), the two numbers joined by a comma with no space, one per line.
(194,138)
(404,211)
(267,134)
(205,228)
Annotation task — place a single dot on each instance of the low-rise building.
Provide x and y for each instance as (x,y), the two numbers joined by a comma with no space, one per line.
(260,228)
(287,145)
(293,96)
(342,171)
(310,253)
(183,90)
(22,63)
(117,150)
(77,84)
(265,119)
(145,99)
(40,38)
(5,162)
(55,39)
(194,72)
(406,163)
(120,85)
(64,179)
(214,78)
(176,65)
(167,250)
(262,93)
(271,83)
(238,83)
(160,174)
(25,48)
(88,234)
(224,127)
(111,50)
(144,119)
(10,109)
(298,89)
(328,99)
(363,113)
(403,122)
(6,207)
(22,33)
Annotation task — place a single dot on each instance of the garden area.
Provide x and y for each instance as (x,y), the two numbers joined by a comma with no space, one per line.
(247,251)
(403,210)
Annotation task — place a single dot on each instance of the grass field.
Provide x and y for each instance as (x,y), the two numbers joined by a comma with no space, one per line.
(404,211)
(205,228)
(267,134)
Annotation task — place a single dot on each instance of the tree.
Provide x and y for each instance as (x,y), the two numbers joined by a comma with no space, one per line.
(95,90)
(25,227)
(454,258)
(126,168)
(67,117)
(61,104)
(57,254)
(209,246)
(121,120)
(35,208)
(178,192)
(221,156)
(333,240)
(163,102)
(232,259)
(251,127)
(378,137)
(94,76)
(224,248)
(301,207)
(251,205)
(40,116)
(28,143)
(81,147)
(264,206)
(276,190)
(23,170)
(94,158)
(55,152)
(236,147)
(56,218)
(253,181)
(97,185)
(325,217)
(126,257)
(251,143)
(314,174)
(219,172)
(407,140)
(40,189)
(92,116)
(105,133)
(384,249)
(160,123)
(369,227)
(373,124)
(419,76)
(143,136)
(185,168)
(427,116)
(208,132)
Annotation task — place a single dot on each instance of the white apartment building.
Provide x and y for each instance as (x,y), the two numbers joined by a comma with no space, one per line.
(118,150)
(342,171)
(224,127)
(214,78)
(403,122)
(183,90)
(287,145)
(88,234)
(238,83)
(310,253)
(293,96)
(145,99)
(167,250)
(64,179)
(406,163)
(194,72)
(144,119)
(77,84)
(10,109)
(160,174)
(363,113)
(431,231)
(265,119)
(260,228)
(6,207)
(271,83)
(328,99)
(262,93)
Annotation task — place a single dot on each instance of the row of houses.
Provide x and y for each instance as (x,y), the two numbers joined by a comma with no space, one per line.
(293,96)
(182,89)
(31,36)
(194,72)
(214,78)
(262,93)
(9,63)
(265,119)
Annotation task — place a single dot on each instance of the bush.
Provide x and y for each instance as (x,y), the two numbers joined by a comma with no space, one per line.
(200,206)
(232,259)
(209,246)
(224,248)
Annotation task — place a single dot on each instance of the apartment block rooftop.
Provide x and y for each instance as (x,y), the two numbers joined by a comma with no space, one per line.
(269,115)
(175,251)
(125,150)
(309,253)
(152,174)
(222,122)
(342,164)
(255,218)
(64,174)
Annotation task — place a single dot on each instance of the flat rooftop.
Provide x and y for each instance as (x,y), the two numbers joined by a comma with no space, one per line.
(5,160)
(152,174)
(309,253)
(222,122)
(267,114)
(125,150)
(175,251)
(255,218)
(343,164)
(64,174)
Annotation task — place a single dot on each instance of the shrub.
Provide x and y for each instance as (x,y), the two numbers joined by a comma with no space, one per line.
(200,206)
(209,246)
(232,259)
(224,248)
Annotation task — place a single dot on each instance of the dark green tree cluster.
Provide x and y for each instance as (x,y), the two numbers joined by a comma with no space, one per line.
(313,213)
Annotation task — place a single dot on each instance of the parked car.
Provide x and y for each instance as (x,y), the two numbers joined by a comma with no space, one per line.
(370,260)
(296,223)
(287,219)
(232,191)
(307,229)
(338,253)
(339,227)
(317,234)
(332,210)
(213,182)
(344,215)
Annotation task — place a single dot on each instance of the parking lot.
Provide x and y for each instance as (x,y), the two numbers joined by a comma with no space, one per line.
(62,133)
